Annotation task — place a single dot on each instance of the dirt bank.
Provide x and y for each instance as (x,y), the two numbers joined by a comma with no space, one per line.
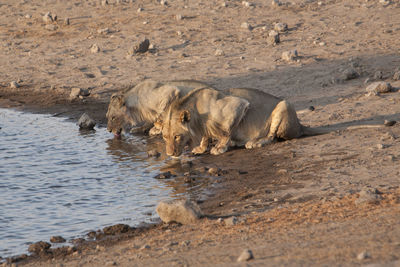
(299,202)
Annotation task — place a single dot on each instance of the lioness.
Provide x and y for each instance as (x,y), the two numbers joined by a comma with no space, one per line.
(139,108)
(240,117)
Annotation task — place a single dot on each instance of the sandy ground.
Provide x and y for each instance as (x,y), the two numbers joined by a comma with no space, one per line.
(298,202)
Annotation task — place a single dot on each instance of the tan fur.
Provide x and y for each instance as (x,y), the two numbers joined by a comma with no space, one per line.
(139,108)
(240,117)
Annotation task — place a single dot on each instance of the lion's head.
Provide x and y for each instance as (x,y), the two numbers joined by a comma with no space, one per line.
(118,116)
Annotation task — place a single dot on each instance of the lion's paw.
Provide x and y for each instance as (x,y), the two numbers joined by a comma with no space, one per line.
(198,150)
(250,145)
(155,131)
(218,150)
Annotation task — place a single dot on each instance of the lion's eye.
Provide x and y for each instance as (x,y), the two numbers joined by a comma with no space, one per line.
(177,137)
(113,118)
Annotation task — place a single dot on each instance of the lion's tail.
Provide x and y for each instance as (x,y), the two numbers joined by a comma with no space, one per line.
(310,131)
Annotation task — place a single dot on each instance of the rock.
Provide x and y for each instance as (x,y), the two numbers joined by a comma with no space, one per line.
(349,74)
(116,229)
(247,4)
(164,175)
(104,2)
(139,10)
(51,27)
(273,37)
(38,247)
(280,27)
(231,221)
(57,239)
(389,123)
(214,171)
(368,196)
(66,21)
(146,246)
(94,48)
(141,47)
(219,52)
(180,211)
(163,2)
(363,255)
(246,255)
(276,3)
(153,153)
(289,55)
(378,75)
(396,76)
(246,26)
(379,87)
(178,17)
(103,31)
(111,263)
(14,85)
(76,92)
(47,18)
(86,123)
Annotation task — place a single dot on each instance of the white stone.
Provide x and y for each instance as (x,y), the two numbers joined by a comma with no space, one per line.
(246,255)
(180,211)
(289,55)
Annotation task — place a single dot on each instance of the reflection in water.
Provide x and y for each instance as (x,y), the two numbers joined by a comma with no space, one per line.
(57,180)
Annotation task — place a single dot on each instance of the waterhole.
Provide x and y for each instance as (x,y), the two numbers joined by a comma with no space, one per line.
(57,180)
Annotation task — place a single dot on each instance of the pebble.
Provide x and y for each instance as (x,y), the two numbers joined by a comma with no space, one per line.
(280,27)
(246,26)
(146,246)
(379,87)
(139,10)
(368,196)
(363,255)
(141,47)
(349,74)
(389,123)
(47,18)
(94,48)
(66,21)
(116,229)
(163,2)
(111,263)
(247,4)
(231,221)
(14,85)
(219,52)
(276,3)
(103,31)
(214,171)
(246,255)
(273,37)
(76,92)
(86,123)
(104,2)
(289,55)
(164,175)
(57,239)
(50,27)
(178,17)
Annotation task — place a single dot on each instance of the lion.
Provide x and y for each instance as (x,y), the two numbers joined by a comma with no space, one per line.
(139,109)
(239,117)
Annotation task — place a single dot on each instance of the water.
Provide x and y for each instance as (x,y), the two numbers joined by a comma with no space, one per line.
(56,180)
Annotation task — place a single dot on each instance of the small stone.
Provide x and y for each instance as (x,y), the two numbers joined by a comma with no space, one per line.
(349,74)
(76,92)
(219,52)
(273,37)
(389,123)
(289,55)
(322,44)
(247,4)
(57,239)
(231,221)
(141,47)
(28,16)
(139,10)
(153,153)
(180,211)
(276,3)
(214,171)
(246,26)
(38,247)
(280,27)
(111,263)
(86,123)
(50,27)
(164,175)
(379,87)
(178,17)
(368,196)
(47,18)
(94,48)
(363,255)
(146,246)
(396,76)
(66,21)
(378,75)
(104,2)
(224,4)
(103,31)
(116,229)
(163,2)
(14,85)
(246,255)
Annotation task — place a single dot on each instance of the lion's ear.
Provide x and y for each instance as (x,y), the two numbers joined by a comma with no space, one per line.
(119,98)
(185,116)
